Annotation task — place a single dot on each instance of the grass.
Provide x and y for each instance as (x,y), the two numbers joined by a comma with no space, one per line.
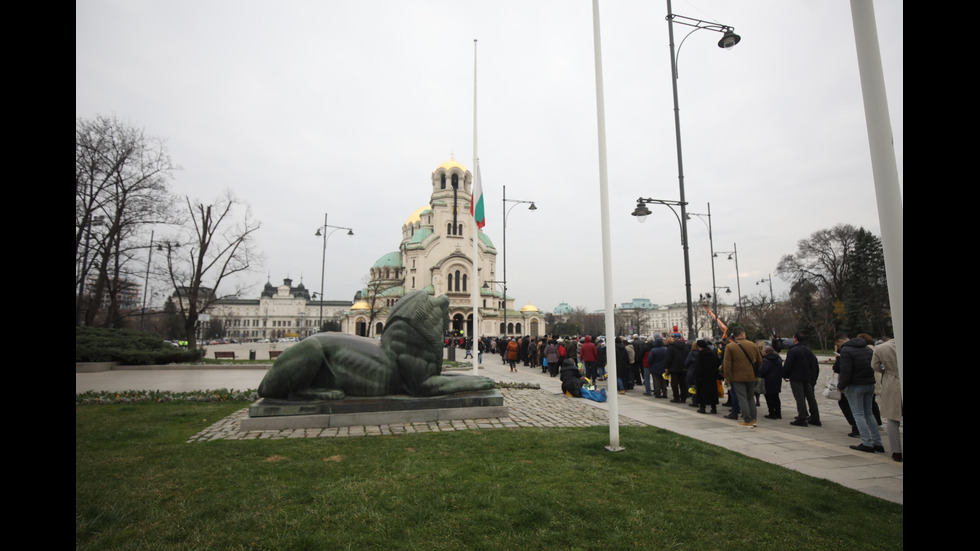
(140,485)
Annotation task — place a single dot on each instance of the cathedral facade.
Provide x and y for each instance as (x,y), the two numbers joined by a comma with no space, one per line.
(435,255)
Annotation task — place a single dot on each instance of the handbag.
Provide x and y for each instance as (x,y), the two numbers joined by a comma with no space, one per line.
(831,391)
(721,389)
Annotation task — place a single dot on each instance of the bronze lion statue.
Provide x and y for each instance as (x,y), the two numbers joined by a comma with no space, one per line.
(407,360)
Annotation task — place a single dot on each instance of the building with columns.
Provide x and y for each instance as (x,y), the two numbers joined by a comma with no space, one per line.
(280,311)
(435,255)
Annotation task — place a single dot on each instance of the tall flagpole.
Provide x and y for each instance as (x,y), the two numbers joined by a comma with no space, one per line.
(884,169)
(475,187)
(611,387)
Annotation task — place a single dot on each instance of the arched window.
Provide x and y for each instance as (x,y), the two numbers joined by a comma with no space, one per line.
(459,230)
(464,283)
(443,181)
(449,228)
(455,180)
(378,329)
(503,329)
(510,328)
(517,329)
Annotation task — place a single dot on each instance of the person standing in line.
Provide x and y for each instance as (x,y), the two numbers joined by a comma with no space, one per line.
(657,362)
(622,364)
(600,369)
(550,356)
(801,370)
(741,365)
(772,375)
(857,382)
(513,352)
(689,367)
(628,381)
(885,361)
(639,352)
(571,349)
(590,356)
(677,351)
(706,377)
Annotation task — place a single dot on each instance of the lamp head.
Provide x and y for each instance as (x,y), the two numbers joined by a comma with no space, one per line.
(641,211)
(730,39)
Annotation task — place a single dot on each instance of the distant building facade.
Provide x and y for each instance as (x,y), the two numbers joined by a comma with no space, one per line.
(641,316)
(280,311)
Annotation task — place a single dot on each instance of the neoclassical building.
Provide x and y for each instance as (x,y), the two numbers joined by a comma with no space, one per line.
(435,255)
(280,311)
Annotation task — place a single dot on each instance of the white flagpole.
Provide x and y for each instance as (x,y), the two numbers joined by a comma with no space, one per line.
(475,289)
(884,169)
(612,390)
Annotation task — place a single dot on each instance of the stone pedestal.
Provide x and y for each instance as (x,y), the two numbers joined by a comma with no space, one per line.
(272,414)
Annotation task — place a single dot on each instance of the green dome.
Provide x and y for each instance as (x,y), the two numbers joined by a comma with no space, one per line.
(390,260)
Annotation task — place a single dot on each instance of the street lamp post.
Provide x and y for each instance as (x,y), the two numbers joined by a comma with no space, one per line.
(641,212)
(506,214)
(711,245)
(322,232)
(146,280)
(728,40)
(738,280)
(486,285)
(772,297)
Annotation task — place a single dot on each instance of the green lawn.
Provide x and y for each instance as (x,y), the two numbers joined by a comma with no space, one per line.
(140,485)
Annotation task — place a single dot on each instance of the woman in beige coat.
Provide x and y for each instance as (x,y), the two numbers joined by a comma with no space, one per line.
(885,361)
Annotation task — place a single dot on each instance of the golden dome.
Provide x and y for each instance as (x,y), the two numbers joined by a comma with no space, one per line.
(360,305)
(417,215)
(452,163)
(530,308)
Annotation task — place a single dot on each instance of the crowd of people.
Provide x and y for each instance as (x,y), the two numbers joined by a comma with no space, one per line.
(734,369)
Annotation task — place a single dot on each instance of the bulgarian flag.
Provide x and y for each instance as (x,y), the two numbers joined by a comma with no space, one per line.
(476,200)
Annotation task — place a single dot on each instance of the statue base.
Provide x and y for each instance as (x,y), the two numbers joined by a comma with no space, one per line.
(272,414)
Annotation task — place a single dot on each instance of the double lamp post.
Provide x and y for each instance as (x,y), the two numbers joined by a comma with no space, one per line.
(728,40)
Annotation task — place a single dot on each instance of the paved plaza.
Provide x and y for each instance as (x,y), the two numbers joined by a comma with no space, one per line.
(821,452)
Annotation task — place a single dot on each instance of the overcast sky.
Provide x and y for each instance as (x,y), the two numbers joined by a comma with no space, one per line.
(346,107)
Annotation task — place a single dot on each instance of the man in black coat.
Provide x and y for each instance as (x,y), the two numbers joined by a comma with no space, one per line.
(857,382)
(801,370)
(677,352)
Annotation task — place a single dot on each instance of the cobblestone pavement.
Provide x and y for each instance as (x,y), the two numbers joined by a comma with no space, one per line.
(527,407)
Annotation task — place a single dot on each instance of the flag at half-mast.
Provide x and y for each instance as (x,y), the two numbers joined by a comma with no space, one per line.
(476,200)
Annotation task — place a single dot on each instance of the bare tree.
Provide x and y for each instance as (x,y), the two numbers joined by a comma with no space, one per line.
(121,186)
(838,282)
(823,258)
(764,318)
(216,244)
(376,303)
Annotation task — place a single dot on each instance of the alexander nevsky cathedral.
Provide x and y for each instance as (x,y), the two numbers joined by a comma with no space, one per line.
(435,254)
